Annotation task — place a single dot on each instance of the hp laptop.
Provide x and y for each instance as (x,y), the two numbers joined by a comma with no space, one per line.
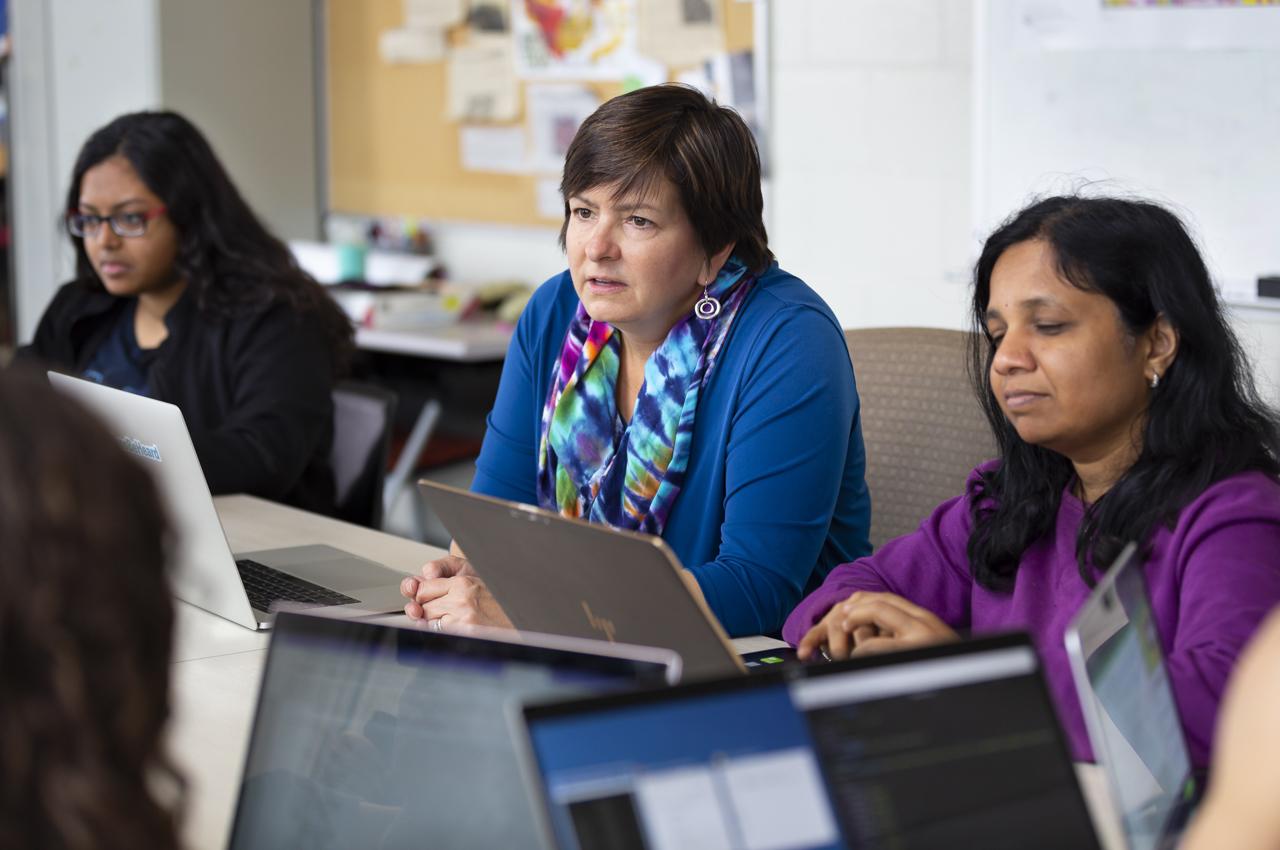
(945,747)
(1129,709)
(240,587)
(565,576)
(372,736)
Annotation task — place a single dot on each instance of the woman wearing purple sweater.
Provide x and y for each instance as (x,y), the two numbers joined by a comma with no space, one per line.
(1123,410)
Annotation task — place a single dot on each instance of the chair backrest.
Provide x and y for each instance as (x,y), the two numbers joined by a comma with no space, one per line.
(362,418)
(923,428)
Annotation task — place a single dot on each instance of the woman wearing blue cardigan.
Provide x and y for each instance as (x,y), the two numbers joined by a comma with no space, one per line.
(674,380)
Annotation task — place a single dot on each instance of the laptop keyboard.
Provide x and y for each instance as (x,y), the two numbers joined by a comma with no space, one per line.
(266,585)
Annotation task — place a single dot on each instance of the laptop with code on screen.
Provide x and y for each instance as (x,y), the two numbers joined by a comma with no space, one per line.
(949,746)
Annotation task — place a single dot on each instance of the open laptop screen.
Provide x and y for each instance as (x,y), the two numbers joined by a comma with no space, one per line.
(948,747)
(1129,705)
(380,737)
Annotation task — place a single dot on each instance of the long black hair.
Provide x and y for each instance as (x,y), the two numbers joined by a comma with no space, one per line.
(1204,423)
(231,262)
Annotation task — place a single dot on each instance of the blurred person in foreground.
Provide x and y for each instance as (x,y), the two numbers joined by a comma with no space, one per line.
(1240,809)
(85,678)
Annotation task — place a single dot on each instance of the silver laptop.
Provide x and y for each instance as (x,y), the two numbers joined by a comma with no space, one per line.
(1129,709)
(372,736)
(565,576)
(950,746)
(242,586)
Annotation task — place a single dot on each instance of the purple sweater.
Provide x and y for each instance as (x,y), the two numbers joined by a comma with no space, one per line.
(1212,579)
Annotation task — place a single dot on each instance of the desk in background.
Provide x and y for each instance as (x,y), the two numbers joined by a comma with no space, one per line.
(463,342)
(218,670)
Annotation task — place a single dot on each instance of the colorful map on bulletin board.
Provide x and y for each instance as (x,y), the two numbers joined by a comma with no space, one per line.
(585,41)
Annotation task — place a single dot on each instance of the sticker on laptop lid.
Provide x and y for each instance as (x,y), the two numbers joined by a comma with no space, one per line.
(147,451)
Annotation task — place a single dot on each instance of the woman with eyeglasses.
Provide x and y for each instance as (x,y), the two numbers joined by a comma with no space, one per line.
(1239,810)
(183,295)
(1124,410)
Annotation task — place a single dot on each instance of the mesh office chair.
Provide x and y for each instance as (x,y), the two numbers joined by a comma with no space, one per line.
(362,418)
(922,426)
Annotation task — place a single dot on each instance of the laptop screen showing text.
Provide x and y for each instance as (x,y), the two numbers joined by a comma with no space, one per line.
(960,751)
(390,738)
(1137,715)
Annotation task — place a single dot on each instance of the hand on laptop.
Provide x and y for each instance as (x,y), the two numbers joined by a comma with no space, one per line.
(450,593)
(873,622)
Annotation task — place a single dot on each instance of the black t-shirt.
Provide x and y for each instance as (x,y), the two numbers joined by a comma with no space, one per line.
(119,361)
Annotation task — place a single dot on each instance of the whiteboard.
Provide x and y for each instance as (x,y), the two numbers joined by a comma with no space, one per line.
(1194,125)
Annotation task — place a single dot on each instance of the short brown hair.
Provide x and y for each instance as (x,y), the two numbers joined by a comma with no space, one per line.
(675,132)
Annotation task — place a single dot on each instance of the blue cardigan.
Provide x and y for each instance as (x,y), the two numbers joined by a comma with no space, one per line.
(774,495)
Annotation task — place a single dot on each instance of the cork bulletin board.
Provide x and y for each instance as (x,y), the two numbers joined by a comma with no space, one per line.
(394,146)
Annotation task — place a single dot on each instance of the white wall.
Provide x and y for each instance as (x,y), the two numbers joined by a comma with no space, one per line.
(76,64)
(904,130)
(1195,128)
(871,133)
(243,71)
(1178,105)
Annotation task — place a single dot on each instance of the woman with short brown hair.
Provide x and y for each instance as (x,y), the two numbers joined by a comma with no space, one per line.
(674,380)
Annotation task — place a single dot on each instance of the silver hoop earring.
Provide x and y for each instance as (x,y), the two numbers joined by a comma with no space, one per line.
(707,307)
(1155,380)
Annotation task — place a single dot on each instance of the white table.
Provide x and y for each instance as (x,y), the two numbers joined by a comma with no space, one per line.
(218,668)
(463,342)
(218,664)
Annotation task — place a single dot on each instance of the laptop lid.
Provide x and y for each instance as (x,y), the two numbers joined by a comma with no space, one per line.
(1129,709)
(369,735)
(564,576)
(203,570)
(950,746)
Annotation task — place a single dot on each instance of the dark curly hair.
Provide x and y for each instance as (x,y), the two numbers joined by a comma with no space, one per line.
(86,624)
(231,262)
(1205,423)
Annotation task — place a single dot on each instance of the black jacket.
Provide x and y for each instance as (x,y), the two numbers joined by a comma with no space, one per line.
(255,390)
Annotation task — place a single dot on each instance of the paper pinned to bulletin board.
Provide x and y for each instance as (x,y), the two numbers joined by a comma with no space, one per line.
(479,132)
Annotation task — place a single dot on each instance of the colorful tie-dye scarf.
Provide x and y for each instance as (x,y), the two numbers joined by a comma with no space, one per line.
(584,469)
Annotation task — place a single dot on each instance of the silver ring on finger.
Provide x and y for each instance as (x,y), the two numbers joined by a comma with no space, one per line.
(437,625)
